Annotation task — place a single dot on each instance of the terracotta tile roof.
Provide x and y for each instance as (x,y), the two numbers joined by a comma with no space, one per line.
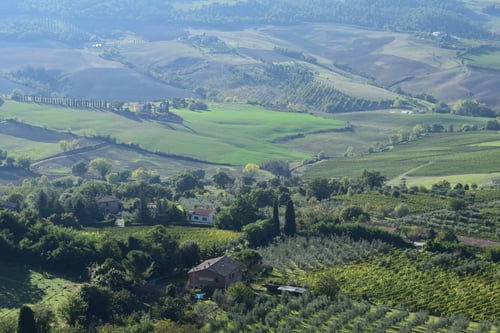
(220,265)
(202,211)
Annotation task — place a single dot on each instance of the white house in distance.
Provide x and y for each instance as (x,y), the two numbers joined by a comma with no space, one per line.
(203,215)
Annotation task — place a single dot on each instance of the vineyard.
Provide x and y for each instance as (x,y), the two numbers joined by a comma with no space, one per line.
(417,203)
(207,238)
(438,283)
(480,220)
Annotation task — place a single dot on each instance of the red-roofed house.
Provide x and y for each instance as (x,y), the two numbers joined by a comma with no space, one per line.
(218,272)
(201,215)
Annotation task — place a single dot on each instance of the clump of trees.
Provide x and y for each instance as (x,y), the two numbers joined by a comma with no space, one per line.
(468,107)
(9,162)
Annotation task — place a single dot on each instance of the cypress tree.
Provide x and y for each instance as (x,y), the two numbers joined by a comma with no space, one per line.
(276,219)
(290,227)
(26,321)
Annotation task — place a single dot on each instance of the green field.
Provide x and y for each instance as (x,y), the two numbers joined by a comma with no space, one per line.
(19,147)
(234,133)
(241,133)
(490,60)
(20,285)
(464,155)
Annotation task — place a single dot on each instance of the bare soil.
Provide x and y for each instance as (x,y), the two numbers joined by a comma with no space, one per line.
(480,243)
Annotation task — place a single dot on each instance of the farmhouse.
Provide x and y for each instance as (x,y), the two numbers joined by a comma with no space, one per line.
(218,272)
(201,215)
(109,204)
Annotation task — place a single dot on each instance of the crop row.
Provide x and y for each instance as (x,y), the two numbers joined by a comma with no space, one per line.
(310,253)
(307,313)
(439,283)
(401,281)
(481,220)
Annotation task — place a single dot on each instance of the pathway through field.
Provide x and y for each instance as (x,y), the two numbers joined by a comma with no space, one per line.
(396,180)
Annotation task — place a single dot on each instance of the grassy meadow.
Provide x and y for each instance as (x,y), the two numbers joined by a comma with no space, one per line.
(20,147)
(470,157)
(239,133)
(234,133)
(24,285)
(488,59)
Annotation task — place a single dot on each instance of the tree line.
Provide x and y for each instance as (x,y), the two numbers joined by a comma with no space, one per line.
(422,15)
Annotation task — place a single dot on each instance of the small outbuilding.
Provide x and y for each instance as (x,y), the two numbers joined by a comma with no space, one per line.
(218,272)
(292,290)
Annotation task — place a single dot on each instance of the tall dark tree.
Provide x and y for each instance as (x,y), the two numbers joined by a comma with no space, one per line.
(290,227)
(276,219)
(222,179)
(26,321)
(243,211)
(79,169)
(46,202)
(371,179)
(189,253)
(143,214)
(186,182)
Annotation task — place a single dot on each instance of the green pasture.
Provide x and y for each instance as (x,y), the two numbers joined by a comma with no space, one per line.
(480,179)
(490,59)
(20,285)
(372,127)
(231,133)
(20,147)
(437,155)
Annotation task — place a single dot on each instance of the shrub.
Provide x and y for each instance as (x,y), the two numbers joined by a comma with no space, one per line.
(401,210)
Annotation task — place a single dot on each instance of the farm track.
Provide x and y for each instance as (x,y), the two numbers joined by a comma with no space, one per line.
(477,242)
(106,145)
(70,153)
(396,179)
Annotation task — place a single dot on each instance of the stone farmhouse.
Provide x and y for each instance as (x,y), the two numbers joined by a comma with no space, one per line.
(218,272)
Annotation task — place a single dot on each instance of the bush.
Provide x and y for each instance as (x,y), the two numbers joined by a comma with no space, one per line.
(456,204)
(401,210)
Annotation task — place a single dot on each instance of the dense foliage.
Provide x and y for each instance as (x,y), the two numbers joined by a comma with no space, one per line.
(423,15)
(134,277)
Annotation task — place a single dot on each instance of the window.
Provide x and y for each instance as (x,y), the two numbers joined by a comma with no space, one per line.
(203,218)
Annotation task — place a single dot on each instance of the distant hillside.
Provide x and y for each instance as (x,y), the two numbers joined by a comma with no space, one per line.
(418,15)
(326,56)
